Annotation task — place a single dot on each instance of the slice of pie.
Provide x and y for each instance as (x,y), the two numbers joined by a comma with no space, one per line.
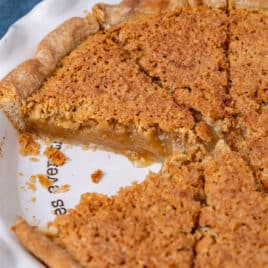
(141,87)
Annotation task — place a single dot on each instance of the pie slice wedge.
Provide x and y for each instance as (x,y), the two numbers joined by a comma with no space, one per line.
(101,93)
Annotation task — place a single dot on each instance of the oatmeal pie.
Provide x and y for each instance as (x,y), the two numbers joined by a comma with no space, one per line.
(184,82)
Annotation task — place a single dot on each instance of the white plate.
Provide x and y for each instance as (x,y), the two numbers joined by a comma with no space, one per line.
(17,45)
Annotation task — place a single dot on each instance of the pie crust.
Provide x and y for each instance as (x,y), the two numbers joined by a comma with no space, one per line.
(42,247)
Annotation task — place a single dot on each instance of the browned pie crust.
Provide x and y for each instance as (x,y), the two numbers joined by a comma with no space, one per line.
(51,254)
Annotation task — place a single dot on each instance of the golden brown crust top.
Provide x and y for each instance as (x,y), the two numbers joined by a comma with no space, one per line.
(233,229)
(249,82)
(43,248)
(99,82)
(30,75)
(151,90)
(134,227)
(248,68)
(195,73)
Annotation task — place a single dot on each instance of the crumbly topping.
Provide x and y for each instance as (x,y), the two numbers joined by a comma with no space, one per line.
(99,83)
(204,132)
(184,51)
(233,225)
(55,156)
(131,228)
(142,79)
(249,87)
(44,181)
(208,207)
(96,176)
(27,145)
(249,69)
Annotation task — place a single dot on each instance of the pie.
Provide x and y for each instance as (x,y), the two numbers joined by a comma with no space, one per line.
(180,82)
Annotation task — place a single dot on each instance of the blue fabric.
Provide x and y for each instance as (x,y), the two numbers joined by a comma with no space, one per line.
(12,10)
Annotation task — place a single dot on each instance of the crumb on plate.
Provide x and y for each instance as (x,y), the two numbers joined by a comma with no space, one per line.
(55,156)
(42,179)
(31,186)
(62,189)
(96,176)
(27,145)
(34,159)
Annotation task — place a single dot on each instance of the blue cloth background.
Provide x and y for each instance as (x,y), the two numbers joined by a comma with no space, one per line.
(12,10)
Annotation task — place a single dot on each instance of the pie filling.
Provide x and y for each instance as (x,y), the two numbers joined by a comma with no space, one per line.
(129,142)
(141,147)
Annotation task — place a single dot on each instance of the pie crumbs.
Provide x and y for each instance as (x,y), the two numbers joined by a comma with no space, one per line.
(27,145)
(34,159)
(96,176)
(62,189)
(55,156)
(43,181)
